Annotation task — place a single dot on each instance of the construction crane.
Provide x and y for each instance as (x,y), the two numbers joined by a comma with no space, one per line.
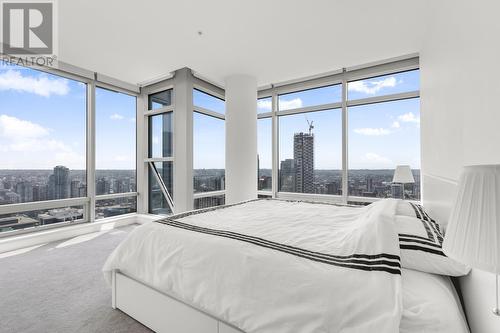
(311,126)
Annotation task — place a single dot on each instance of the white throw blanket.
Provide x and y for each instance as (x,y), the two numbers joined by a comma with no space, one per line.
(275,266)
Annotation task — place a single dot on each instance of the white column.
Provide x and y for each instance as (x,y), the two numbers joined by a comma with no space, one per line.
(91,151)
(183,140)
(142,153)
(241,138)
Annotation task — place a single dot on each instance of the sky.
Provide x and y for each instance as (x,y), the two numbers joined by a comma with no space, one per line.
(43,120)
(42,124)
(380,136)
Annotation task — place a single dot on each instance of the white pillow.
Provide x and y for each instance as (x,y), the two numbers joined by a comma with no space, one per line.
(408,208)
(405,208)
(420,241)
(430,304)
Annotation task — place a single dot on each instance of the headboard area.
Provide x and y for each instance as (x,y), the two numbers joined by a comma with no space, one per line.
(477,288)
(439,195)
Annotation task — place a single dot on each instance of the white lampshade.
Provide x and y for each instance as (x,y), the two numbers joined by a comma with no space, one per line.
(473,233)
(403,175)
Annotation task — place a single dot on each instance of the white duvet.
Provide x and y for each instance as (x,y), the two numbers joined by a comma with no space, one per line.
(275,266)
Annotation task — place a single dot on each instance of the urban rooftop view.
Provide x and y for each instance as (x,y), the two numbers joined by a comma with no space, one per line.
(47,131)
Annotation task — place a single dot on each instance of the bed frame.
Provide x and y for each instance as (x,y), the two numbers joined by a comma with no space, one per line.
(160,312)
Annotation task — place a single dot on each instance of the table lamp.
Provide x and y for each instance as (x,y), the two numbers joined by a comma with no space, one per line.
(473,232)
(403,175)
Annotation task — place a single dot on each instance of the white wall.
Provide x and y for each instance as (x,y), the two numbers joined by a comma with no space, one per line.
(460,110)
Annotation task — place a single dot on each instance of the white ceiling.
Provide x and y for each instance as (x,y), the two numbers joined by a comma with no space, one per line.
(274,40)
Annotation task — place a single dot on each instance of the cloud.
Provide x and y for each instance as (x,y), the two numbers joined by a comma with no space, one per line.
(409,118)
(396,124)
(264,105)
(29,145)
(116,116)
(41,85)
(372,131)
(17,129)
(132,119)
(375,158)
(372,87)
(290,104)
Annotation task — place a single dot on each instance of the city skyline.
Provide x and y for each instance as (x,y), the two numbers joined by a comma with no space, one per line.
(18,186)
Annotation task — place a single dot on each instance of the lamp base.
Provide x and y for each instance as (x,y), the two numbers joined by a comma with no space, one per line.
(496,311)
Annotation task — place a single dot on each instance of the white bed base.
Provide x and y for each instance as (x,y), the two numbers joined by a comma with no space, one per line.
(160,312)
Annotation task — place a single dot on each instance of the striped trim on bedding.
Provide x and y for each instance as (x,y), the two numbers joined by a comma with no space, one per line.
(384,262)
(378,262)
(431,244)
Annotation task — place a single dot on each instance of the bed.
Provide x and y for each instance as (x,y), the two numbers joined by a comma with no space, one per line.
(276,266)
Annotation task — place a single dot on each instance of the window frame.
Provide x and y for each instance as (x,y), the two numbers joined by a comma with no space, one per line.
(205,111)
(209,90)
(101,85)
(91,80)
(148,162)
(341,77)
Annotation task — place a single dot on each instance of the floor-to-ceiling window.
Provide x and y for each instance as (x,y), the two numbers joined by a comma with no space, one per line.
(42,147)
(264,154)
(310,152)
(208,149)
(384,132)
(115,153)
(265,146)
(310,141)
(342,135)
(56,128)
(160,152)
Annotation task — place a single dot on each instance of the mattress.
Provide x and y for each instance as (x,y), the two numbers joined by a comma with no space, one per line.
(279,266)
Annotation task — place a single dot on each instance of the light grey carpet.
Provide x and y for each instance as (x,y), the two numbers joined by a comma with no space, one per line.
(59,287)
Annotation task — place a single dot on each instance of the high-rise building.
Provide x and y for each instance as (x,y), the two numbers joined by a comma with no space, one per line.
(51,195)
(75,188)
(303,156)
(332,188)
(61,182)
(25,191)
(40,192)
(287,176)
(369,184)
(82,190)
(103,186)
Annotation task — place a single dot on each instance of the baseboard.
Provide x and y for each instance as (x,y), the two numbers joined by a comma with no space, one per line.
(36,238)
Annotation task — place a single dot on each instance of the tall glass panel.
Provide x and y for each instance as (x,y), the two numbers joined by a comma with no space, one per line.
(265,154)
(115,142)
(42,142)
(310,152)
(208,153)
(160,135)
(381,137)
(157,202)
